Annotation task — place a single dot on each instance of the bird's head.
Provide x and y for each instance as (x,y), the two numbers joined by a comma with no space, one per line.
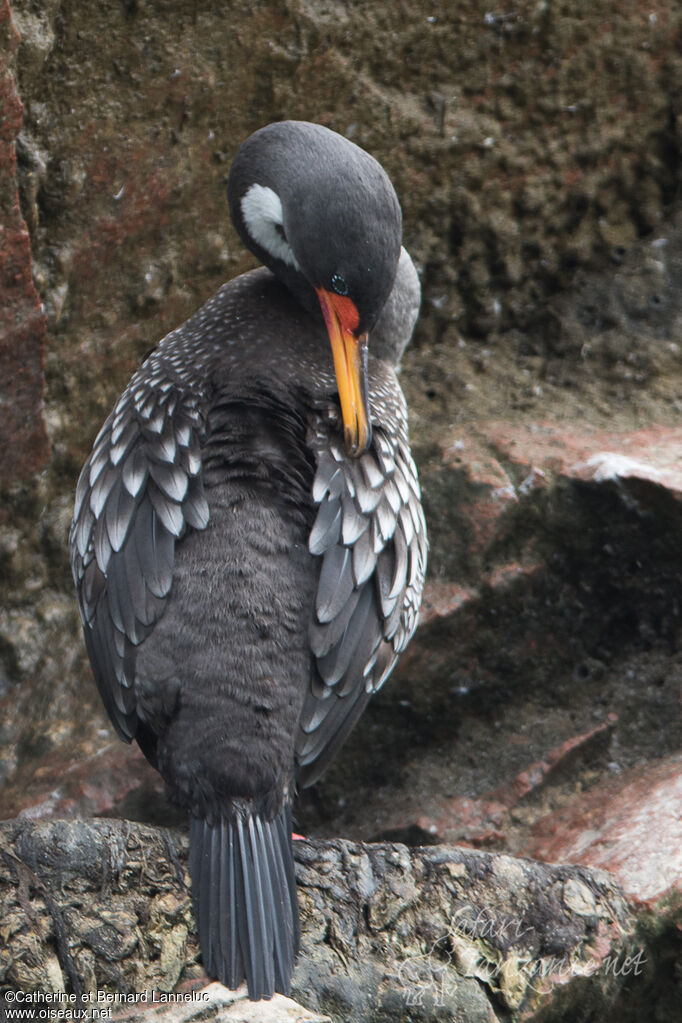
(322,214)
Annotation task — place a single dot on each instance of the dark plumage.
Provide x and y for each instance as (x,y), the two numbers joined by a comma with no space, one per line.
(248,543)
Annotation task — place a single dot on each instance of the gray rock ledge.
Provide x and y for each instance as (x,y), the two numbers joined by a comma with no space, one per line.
(388,933)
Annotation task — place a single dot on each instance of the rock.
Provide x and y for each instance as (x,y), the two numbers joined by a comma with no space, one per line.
(92,908)
(629,825)
(540,198)
(537,302)
(480,822)
(545,655)
(492,475)
(216,1002)
(115,780)
(22,319)
(540,452)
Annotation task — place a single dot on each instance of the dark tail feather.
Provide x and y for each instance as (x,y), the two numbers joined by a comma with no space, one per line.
(244,893)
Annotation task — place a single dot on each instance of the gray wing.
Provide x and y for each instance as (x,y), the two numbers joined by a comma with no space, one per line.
(370,534)
(137,494)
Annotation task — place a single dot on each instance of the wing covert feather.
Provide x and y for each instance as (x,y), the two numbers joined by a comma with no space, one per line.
(138,492)
(370,536)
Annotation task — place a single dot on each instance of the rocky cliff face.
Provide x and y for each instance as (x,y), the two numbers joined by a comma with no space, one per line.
(536,151)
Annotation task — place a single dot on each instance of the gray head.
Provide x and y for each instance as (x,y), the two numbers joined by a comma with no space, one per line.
(322,214)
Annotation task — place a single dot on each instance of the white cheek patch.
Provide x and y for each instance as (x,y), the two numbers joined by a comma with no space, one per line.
(262,212)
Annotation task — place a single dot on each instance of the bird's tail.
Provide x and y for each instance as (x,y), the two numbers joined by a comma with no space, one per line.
(245,905)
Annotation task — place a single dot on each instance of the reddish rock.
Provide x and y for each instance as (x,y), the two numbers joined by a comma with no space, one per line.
(487,501)
(538,773)
(22,320)
(483,821)
(461,821)
(116,781)
(504,463)
(443,599)
(586,453)
(630,825)
(487,493)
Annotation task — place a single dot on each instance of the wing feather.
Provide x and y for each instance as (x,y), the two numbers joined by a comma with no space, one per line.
(137,494)
(335,584)
(370,537)
(327,528)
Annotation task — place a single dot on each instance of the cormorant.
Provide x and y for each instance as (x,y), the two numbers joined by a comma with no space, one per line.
(248,543)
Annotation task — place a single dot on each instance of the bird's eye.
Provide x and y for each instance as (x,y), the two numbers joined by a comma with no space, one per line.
(339,285)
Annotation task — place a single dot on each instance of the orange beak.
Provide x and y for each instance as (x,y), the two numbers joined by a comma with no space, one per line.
(350,365)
